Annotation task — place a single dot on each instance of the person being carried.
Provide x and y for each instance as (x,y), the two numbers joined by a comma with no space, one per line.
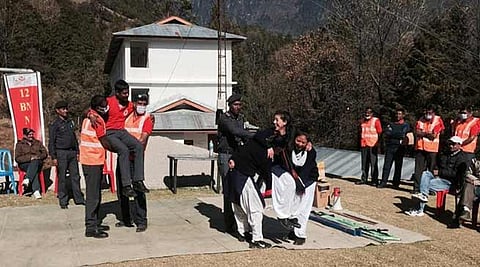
(140,125)
(30,154)
(452,168)
(122,143)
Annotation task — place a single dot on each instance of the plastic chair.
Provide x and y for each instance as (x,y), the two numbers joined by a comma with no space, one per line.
(441,199)
(6,170)
(21,175)
(108,170)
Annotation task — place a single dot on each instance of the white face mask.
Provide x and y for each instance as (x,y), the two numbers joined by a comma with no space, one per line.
(428,116)
(103,110)
(463,116)
(141,109)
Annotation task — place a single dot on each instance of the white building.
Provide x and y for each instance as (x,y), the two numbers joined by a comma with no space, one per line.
(176,63)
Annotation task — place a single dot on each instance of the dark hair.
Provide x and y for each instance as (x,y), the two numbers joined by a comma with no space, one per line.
(290,130)
(468,108)
(97,101)
(299,132)
(400,109)
(430,107)
(121,85)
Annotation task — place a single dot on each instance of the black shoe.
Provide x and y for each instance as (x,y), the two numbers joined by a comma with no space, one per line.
(396,186)
(454,224)
(374,182)
(286,223)
(292,236)
(141,228)
(260,245)
(360,182)
(80,203)
(102,227)
(140,187)
(382,185)
(96,234)
(122,224)
(64,207)
(128,191)
(299,241)
(294,222)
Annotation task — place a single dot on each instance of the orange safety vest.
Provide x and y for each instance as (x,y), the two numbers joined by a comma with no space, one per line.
(369,133)
(463,131)
(134,124)
(425,143)
(91,150)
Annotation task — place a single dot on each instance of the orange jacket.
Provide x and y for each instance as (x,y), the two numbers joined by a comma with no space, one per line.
(91,150)
(463,130)
(371,129)
(435,126)
(134,124)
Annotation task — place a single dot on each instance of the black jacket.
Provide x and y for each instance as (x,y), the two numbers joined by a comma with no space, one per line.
(453,167)
(231,133)
(61,136)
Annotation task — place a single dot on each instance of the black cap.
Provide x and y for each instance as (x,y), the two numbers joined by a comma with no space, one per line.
(142,97)
(233,98)
(26,131)
(61,104)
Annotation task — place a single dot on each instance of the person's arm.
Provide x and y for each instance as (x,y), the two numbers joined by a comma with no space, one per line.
(146,130)
(52,136)
(378,126)
(474,131)
(231,126)
(43,151)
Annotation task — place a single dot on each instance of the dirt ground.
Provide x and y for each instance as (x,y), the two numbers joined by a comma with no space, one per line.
(448,247)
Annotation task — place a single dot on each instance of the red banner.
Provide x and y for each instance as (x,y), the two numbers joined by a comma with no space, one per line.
(24,93)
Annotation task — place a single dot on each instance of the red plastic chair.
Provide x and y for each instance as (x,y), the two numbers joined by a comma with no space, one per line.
(21,176)
(441,200)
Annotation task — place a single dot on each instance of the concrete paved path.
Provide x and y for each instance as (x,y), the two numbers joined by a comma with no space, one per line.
(49,236)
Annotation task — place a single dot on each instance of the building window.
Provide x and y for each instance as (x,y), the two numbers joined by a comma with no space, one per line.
(138,91)
(188,142)
(138,54)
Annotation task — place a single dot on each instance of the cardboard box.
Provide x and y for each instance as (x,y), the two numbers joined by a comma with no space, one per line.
(322,195)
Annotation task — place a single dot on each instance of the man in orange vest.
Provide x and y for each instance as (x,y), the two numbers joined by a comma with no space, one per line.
(370,132)
(467,127)
(427,129)
(92,157)
(140,125)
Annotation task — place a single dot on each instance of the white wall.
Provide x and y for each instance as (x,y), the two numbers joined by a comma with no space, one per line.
(199,139)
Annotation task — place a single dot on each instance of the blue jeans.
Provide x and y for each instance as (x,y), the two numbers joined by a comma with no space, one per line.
(428,182)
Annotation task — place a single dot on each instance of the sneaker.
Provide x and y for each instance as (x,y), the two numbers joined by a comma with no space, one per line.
(140,187)
(294,222)
(260,245)
(128,191)
(37,195)
(26,182)
(420,196)
(465,216)
(285,223)
(414,213)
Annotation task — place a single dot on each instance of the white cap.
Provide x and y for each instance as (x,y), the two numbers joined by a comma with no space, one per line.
(456,139)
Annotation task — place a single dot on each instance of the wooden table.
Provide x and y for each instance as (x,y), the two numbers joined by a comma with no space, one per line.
(173,166)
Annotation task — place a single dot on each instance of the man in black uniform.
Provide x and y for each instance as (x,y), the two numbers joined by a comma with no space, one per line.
(231,135)
(63,148)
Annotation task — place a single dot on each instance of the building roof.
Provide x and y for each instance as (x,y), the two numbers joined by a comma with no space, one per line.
(184,120)
(172,28)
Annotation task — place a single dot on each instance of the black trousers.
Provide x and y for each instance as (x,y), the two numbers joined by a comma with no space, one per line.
(67,160)
(424,160)
(393,153)
(228,216)
(369,160)
(123,143)
(93,178)
(136,208)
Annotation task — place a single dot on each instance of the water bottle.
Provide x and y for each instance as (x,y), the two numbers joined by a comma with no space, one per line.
(210,148)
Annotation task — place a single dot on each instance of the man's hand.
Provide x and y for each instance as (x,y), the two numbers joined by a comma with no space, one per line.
(231,164)
(93,119)
(309,146)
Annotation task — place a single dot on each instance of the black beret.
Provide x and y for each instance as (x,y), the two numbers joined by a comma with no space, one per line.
(61,104)
(233,98)
(26,131)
